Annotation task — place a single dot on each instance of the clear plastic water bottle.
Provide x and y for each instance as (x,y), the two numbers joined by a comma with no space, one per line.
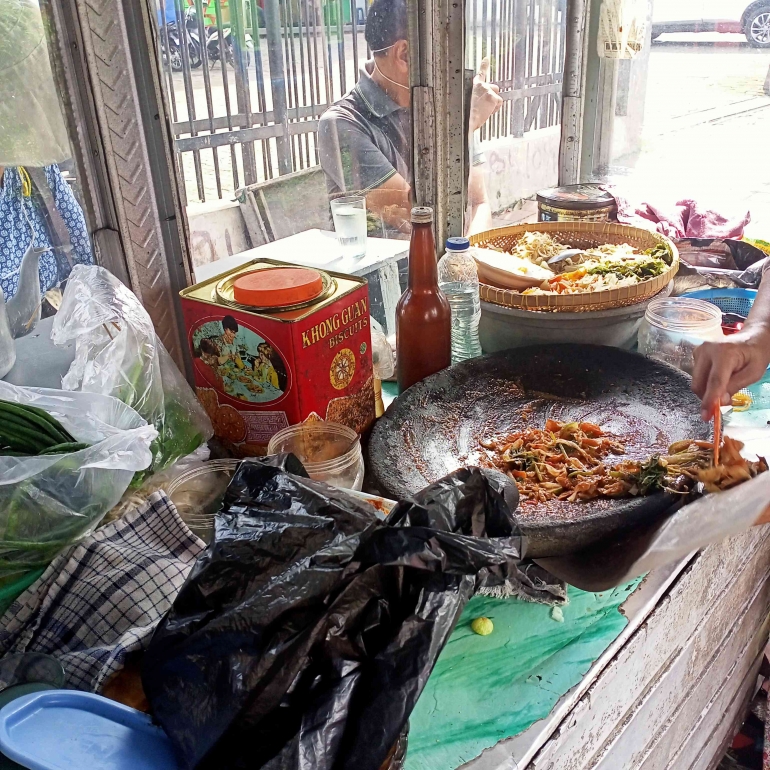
(459,280)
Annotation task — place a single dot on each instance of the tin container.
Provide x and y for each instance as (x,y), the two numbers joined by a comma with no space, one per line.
(274,345)
(575,203)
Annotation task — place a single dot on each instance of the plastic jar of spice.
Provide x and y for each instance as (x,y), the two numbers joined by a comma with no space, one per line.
(673,327)
(329,451)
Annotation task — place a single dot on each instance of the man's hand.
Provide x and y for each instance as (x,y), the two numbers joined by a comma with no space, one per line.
(723,368)
(485,99)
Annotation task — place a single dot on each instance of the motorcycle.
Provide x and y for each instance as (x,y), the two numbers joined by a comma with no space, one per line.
(213,47)
(174,36)
(214,44)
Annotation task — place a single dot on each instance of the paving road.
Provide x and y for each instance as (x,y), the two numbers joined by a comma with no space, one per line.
(707,126)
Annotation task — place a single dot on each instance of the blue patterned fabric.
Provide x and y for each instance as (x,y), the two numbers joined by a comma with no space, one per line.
(15,232)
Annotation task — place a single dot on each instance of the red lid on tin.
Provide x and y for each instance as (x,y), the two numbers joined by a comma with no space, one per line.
(277,286)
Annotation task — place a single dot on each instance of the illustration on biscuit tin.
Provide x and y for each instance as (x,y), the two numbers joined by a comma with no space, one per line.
(238,362)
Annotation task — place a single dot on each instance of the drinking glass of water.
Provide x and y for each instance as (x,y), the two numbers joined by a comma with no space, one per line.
(349,214)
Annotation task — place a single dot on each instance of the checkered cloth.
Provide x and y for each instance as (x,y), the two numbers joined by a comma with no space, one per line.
(102,598)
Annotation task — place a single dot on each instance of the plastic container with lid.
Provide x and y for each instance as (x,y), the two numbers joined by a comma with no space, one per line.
(330,452)
(673,327)
(198,493)
(575,203)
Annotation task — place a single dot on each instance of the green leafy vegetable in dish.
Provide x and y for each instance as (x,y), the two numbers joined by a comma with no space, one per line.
(642,267)
(661,251)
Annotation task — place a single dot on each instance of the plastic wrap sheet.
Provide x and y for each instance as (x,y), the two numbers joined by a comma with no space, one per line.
(308,629)
(34,133)
(117,353)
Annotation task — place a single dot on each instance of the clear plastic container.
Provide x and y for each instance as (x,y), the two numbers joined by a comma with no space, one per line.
(330,452)
(673,327)
(198,493)
(458,278)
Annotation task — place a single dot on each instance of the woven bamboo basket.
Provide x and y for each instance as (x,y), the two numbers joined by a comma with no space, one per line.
(577,235)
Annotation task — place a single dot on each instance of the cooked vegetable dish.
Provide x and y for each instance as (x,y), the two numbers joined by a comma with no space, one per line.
(569,461)
(608,266)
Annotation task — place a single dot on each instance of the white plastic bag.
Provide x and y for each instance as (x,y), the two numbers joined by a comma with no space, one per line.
(48,502)
(117,353)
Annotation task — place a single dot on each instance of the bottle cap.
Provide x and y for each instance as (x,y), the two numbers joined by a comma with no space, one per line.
(422,214)
(457,244)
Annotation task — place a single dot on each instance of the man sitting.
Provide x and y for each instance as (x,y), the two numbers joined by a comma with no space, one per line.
(365,137)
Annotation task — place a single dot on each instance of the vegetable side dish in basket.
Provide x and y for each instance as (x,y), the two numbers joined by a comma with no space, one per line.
(570,461)
(562,269)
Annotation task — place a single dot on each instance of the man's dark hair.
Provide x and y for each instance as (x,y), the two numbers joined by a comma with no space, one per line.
(385,23)
(208,347)
(228,322)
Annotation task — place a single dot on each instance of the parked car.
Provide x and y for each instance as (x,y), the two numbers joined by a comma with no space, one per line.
(750,18)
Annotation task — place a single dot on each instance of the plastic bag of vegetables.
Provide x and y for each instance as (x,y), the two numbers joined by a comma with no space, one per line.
(117,353)
(53,490)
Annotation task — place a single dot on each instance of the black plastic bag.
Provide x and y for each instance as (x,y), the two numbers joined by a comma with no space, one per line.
(306,632)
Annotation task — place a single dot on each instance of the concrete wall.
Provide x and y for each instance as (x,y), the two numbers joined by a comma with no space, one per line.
(217,230)
(518,168)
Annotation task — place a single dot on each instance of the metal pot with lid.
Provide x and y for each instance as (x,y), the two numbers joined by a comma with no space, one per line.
(576,203)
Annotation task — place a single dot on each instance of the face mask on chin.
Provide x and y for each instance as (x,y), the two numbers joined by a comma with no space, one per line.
(381,73)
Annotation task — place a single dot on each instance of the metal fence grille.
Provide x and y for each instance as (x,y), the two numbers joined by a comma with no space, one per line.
(524,41)
(256,117)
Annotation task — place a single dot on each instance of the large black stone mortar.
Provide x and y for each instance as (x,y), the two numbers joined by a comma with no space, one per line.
(435,426)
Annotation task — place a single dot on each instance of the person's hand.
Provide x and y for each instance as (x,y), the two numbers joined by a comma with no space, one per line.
(723,368)
(485,98)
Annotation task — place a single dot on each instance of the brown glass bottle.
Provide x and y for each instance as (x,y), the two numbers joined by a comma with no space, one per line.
(423,315)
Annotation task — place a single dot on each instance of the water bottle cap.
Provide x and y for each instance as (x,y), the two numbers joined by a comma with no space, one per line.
(458,244)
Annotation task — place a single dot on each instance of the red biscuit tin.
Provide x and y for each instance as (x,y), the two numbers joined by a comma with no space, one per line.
(305,350)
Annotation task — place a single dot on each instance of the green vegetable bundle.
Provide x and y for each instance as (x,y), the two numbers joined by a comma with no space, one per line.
(27,430)
(53,489)
(640,268)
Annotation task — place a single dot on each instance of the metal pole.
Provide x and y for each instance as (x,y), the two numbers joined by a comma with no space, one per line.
(292,76)
(573,90)
(519,64)
(591,96)
(242,91)
(226,89)
(259,75)
(453,182)
(278,83)
(423,108)
(339,10)
(354,20)
(207,88)
(437,32)
(188,92)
